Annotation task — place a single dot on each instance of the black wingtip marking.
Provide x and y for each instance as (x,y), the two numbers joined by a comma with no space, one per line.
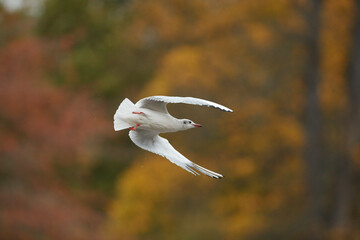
(217,177)
(222,109)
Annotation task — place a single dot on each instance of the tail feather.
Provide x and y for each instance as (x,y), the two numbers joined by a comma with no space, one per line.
(126,107)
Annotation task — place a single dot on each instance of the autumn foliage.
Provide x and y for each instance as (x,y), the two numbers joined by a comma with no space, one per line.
(289,152)
(43,129)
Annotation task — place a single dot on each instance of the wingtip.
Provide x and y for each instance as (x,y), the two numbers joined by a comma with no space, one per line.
(217,177)
(226,109)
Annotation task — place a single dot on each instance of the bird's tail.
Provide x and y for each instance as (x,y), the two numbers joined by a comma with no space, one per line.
(125,108)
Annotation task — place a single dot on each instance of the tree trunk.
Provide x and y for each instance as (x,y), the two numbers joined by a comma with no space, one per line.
(344,192)
(313,154)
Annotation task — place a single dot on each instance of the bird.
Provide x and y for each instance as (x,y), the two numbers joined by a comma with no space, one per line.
(149,117)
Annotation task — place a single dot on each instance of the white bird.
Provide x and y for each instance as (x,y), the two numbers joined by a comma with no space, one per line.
(149,117)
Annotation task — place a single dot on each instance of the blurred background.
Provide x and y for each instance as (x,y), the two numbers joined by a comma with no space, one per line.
(290,152)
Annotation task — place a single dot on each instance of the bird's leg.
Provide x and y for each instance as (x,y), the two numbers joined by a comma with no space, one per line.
(138,113)
(134,128)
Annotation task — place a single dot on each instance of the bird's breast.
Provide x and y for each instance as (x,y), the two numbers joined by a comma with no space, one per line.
(157,121)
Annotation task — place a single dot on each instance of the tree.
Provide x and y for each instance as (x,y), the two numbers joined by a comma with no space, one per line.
(44,130)
(345,179)
(314,157)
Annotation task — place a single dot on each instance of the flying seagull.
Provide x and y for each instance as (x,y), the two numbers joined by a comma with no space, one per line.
(149,117)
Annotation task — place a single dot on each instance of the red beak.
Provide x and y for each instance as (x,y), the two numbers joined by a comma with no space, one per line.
(197,125)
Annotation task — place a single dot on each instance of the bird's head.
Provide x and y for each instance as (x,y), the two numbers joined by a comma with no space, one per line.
(187,124)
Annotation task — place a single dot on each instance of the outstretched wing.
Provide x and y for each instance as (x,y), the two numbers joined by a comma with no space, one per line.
(152,142)
(158,103)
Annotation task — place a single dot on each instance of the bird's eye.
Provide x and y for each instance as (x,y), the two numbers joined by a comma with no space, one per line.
(189,121)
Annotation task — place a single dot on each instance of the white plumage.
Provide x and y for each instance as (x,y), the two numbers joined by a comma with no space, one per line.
(149,117)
